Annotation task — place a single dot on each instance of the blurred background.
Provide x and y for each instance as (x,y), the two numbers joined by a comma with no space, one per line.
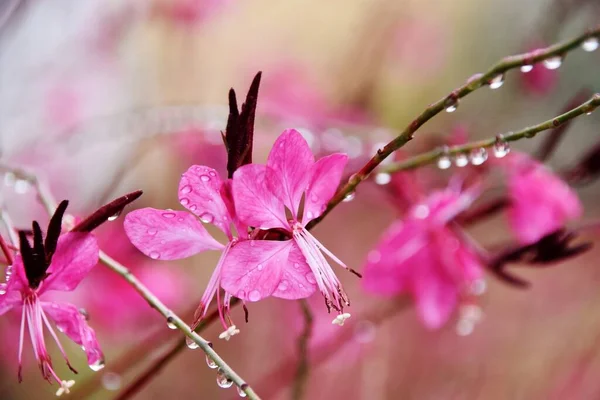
(102,97)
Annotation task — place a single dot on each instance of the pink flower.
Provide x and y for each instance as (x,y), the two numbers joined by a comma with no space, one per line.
(271,197)
(540,202)
(58,262)
(426,255)
(539,80)
(173,235)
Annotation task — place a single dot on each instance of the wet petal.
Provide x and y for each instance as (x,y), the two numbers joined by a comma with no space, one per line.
(435,294)
(297,280)
(253,268)
(200,192)
(167,234)
(290,162)
(325,179)
(72,323)
(256,205)
(76,254)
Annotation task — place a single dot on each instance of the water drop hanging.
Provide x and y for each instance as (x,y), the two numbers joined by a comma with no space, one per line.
(97,366)
(526,68)
(461,160)
(478,156)
(590,44)
(349,197)
(171,323)
(496,82)
(223,380)
(114,216)
(191,344)
(210,362)
(241,392)
(501,147)
(553,62)
(444,161)
(451,104)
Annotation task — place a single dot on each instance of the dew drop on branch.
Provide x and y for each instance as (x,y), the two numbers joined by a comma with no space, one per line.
(223,380)
(501,147)
(590,44)
(461,160)
(553,62)
(191,344)
(451,104)
(114,216)
(241,393)
(171,323)
(526,68)
(444,161)
(383,178)
(349,197)
(211,363)
(496,82)
(478,156)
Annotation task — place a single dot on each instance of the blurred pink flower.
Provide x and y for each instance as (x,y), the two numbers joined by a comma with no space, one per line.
(188,12)
(289,269)
(56,263)
(426,256)
(173,235)
(538,79)
(540,202)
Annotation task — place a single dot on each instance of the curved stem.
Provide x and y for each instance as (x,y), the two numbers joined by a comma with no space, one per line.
(472,84)
(302,370)
(432,156)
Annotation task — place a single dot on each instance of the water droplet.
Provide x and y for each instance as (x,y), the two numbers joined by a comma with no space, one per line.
(478,156)
(155,255)
(364,331)
(496,82)
(168,215)
(310,277)
(478,287)
(501,148)
(283,285)
(191,344)
(114,216)
(241,294)
(241,393)
(349,197)
(204,178)
(84,313)
(185,201)
(211,363)
(111,381)
(212,173)
(309,215)
(383,178)
(97,366)
(444,161)
(260,267)
(254,295)
(590,44)
(296,266)
(451,104)
(461,160)
(553,62)
(526,68)
(314,198)
(171,323)
(3,288)
(186,189)
(421,211)
(193,207)
(206,217)
(152,231)
(223,380)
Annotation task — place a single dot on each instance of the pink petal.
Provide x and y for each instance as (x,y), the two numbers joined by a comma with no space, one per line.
(290,162)
(325,178)
(72,323)
(297,280)
(255,204)
(253,268)
(436,296)
(200,192)
(75,256)
(167,234)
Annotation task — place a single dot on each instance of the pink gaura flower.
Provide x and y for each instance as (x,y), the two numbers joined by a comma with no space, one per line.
(426,255)
(284,195)
(173,235)
(58,262)
(540,202)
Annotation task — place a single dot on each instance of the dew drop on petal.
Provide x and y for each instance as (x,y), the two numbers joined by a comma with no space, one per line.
(155,255)
(152,231)
(212,173)
(206,217)
(444,162)
(111,381)
(97,366)
(211,363)
(168,215)
(186,189)
(185,201)
(383,178)
(590,44)
(461,160)
(171,324)
(296,266)
(349,197)
(241,294)
(526,68)
(496,82)
(553,62)
(3,288)
(114,216)
(193,207)
(241,393)
(478,156)
(314,198)
(283,285)
(259,267)
(191,344)
(204,178)
(223,380)
(254,295)
(310,277)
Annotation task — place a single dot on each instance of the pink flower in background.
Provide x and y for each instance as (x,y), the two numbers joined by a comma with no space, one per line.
(173,235)
(426,256)
(540,202)
(289,269)
(188,12)
(537,79)
(56,263)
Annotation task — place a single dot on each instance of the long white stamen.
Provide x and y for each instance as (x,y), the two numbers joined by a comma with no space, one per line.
(21,338)
(55,337)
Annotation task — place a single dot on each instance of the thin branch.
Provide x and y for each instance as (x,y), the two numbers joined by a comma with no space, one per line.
(475,82)
(173,319)
(432,156)
(302,370)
